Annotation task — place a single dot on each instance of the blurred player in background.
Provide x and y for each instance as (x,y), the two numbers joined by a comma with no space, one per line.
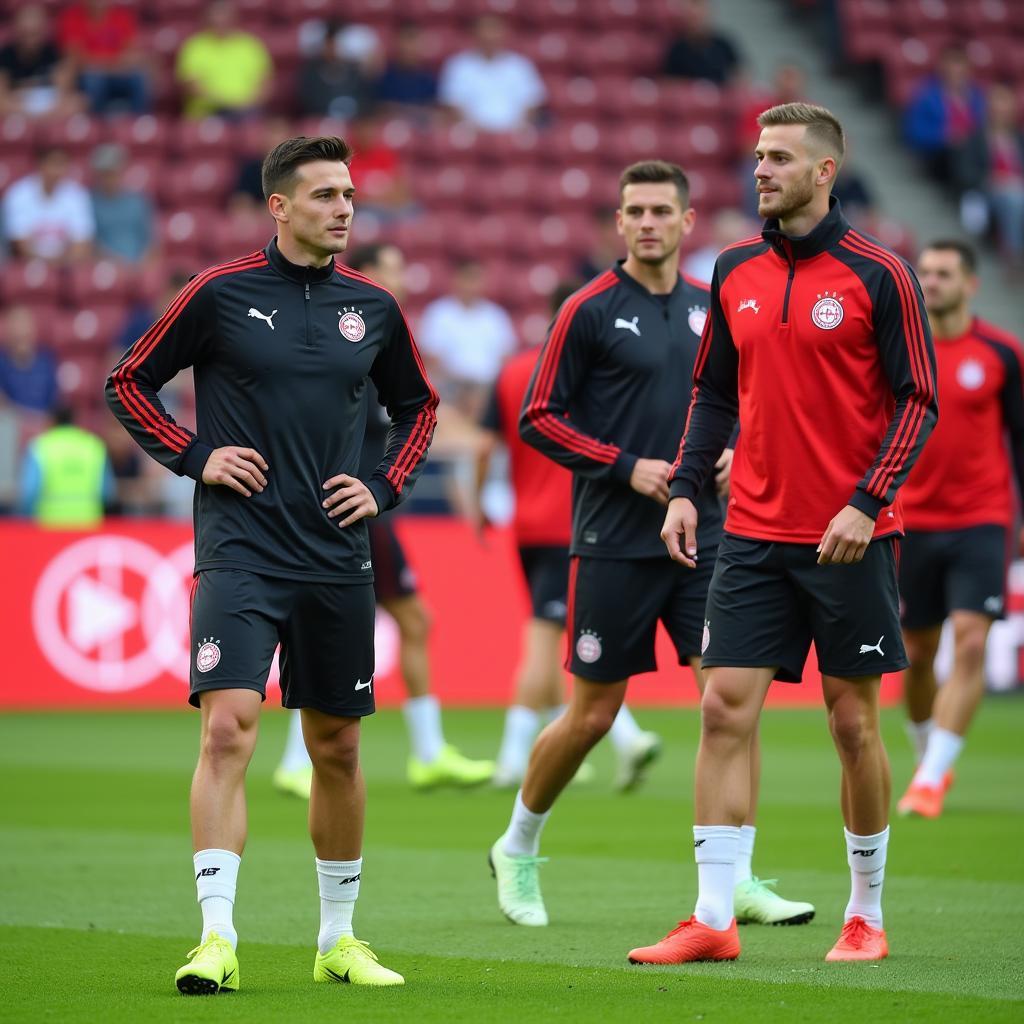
(433,762)
(958,506)
(617,364)
(543,529)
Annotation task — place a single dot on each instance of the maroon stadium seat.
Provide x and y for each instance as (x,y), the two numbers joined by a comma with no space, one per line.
(143,135)
(14,165)
(207,136)
(78,133)
(33,282)
(198,182)
(101,281)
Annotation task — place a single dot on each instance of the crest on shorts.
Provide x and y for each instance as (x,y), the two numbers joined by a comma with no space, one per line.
(705,639)
(208,655)
(588,647)
(696,317)
(352,325)
(827,312)
(970,374)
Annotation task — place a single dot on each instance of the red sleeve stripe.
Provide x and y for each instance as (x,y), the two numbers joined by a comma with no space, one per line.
(905,439)
(682,440)
(537,412)
(125,386)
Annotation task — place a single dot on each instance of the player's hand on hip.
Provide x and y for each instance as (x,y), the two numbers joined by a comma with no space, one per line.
(680,531)
(847,538)
(241,469)
(351,498)
(723,473)
(650,478)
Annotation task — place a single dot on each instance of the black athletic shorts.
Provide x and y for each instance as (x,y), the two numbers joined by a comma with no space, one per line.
(952,570)
(615,606)
(325,631)
(768,601)
(546,569)
(393,577)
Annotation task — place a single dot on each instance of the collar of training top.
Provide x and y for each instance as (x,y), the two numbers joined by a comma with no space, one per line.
(632,282)
(825,235)
(302,275)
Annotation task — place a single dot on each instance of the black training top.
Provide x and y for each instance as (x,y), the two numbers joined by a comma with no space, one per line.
(612,386)
(281,355)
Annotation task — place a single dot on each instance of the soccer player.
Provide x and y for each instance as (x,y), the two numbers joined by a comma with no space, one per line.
(543,528)
(817,338)
(958,506)
(433,762)
(604,402)
(282,342)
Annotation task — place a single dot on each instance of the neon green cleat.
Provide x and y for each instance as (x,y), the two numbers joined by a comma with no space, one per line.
(297,782)
(507,779)
(450,769)
(756,903)
(518,880)
(212,968)
(644,750)
(352,962)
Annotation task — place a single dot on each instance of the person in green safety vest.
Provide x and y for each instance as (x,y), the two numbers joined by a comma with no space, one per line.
(66,477)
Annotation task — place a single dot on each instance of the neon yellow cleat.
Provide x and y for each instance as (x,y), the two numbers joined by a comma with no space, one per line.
(212,968)
(297,782)
(518,879)
(352,962)
(756,902)
(450,769)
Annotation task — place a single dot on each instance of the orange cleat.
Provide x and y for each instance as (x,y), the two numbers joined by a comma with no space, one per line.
(689,941)
(947,781)
(924,801)
(859,941)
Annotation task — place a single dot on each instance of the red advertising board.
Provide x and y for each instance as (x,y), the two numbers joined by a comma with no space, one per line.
(100,619)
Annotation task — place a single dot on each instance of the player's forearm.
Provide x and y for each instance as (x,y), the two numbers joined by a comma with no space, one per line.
(562,442)
(710,429)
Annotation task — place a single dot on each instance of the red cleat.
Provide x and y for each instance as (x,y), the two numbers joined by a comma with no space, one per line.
(859,941)
(947,781)
(690,941)
(924,801)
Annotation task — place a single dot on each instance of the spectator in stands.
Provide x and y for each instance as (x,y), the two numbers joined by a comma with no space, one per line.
(605,250)
(102,39)
(494,88)
(727,227)
(224,69)
(124,218)
(1004,172)
(465,339)
(944,120)
(48,214)
(788,85)
(28,372)
(35,77)
(383,189)
(337,80)
(406,81)
(247,192)
(698,51)
(141,316)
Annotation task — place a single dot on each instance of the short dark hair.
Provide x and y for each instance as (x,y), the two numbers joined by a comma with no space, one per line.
(366,255)
(822,125)
(283,161)
(966,251)
(655,172)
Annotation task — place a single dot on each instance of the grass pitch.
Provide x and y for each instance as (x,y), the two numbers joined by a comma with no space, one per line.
(97,899)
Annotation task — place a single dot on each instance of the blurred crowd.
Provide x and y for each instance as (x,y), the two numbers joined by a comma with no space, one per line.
(487,149)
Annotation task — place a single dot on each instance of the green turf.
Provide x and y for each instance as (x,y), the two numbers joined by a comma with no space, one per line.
(97,900)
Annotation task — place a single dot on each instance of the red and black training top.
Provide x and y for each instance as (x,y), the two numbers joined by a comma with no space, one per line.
(542,488)
(963,477)
(821,344)
(281,355)
(609,388)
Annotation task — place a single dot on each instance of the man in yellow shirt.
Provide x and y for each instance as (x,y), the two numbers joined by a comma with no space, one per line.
(223,69)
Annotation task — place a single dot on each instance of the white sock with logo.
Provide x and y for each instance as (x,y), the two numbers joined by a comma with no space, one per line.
(521,725)
(745,854)
(295,757)
(919,733)
(339,890)
(943,749)
(522,837)
(624,729)
(216,881)
(866,857)
(714,849)
(423,720)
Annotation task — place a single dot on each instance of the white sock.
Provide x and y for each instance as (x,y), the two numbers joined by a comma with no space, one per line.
(339,890)
(517,740)
(624,729)
(295,756)
(866,857)
(216,881)
(745,854)
(423,720)
(919,733)
(943,749)
(714,849)
(522,837)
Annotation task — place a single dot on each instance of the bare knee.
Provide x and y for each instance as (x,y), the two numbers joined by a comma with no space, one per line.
(228,737)
(413,620)
(853,728)
(969,640)
(721,717)
(336,750)
(594,723)
(921,647)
